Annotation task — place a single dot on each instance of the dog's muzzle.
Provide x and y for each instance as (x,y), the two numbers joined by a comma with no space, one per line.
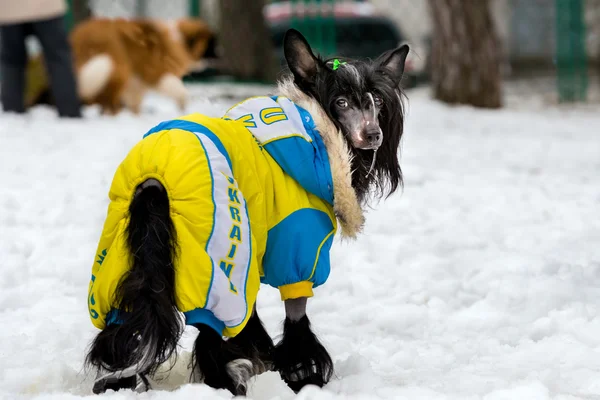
(374,137)
(368,139)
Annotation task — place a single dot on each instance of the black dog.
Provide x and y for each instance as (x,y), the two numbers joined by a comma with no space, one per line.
(364,101)
(357,107)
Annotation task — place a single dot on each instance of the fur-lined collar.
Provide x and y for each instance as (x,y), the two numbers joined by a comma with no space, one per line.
(345,202)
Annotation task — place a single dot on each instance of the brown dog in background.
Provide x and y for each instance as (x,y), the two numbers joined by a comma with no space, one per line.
(118,60)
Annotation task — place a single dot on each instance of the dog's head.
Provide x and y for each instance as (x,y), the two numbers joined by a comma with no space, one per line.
(364,101)
(198,38)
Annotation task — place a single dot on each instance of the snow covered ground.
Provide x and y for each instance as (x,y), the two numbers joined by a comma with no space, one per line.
(480,281)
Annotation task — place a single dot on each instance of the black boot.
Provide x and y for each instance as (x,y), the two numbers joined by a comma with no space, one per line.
(300,357)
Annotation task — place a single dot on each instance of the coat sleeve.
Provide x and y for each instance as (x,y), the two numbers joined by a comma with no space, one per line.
(297,255)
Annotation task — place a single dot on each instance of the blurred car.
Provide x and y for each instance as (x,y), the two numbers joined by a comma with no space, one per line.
(361,31)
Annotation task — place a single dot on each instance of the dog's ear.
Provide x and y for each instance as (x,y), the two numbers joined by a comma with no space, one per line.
(393,62)
(299,56)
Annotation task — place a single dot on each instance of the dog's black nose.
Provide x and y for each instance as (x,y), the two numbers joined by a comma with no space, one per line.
(373,137)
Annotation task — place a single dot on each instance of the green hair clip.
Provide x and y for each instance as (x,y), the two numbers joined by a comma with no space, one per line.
(337,63)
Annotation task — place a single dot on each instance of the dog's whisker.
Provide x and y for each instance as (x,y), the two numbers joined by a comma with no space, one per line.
(372,163)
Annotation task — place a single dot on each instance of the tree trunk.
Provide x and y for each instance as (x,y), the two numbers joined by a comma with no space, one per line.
(248,52)
(465,54)
(81,11)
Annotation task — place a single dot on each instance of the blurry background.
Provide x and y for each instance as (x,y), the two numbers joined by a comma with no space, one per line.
(480,280)
(549,47)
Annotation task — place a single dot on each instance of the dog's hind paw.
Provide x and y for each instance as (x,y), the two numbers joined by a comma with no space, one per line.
(240,371)
(120,380)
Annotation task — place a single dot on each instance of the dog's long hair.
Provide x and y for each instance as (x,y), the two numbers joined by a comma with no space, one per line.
(147,337)
(319,78)
(386,176)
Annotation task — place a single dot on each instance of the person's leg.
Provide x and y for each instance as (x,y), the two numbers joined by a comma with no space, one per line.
(59,63)
(13,61)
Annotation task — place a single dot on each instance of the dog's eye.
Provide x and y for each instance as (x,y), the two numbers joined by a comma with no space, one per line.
(378,101)
(342,103)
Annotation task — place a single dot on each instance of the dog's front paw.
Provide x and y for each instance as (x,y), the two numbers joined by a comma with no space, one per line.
(300,358)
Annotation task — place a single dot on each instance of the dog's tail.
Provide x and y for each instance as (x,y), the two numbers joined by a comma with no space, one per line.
(94,75)
(150,325)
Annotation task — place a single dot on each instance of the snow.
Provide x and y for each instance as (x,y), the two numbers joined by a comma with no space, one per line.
(481,280)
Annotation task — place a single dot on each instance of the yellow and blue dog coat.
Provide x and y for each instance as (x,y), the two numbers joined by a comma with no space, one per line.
(251,198)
